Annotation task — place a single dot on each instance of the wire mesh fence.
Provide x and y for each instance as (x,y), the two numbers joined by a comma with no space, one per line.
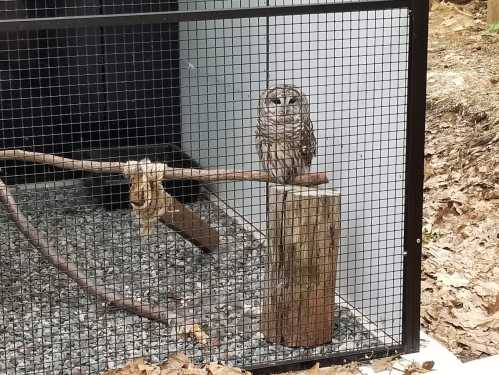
(248,199)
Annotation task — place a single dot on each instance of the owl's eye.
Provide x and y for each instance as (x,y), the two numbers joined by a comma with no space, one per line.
(292,101)
(276,101)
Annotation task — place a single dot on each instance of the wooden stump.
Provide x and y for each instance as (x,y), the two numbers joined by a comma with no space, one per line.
(303,235)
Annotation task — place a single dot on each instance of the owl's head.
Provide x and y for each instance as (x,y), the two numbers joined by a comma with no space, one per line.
(283,100)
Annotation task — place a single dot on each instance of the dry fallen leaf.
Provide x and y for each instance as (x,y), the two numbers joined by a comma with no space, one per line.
(383,364)
(175,362)
(191,370)
(456,280)
(217,369)
(348,369)
(487,288)
(449,207)
(428,365)
(351,368)
(491,322)
(137,367)
(314,370)
(473,319)
(414,368)
(196,332)
(200,336)
(451,19)
(494,307)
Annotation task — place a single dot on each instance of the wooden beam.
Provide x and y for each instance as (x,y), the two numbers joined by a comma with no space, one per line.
(190,225)
(303,237)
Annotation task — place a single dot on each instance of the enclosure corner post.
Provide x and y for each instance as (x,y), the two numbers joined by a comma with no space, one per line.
(303,237)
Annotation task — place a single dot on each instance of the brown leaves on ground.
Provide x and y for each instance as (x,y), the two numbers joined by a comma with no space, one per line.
(493,308)
(177,364)
(401,365)
(452,18)
(460,282)
(414,368)
(351,368)
(383,364)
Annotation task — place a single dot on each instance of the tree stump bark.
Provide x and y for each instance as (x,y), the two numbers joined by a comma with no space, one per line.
(303,236)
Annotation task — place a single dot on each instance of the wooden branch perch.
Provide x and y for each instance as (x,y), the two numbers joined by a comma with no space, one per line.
(310,179)
(190,226)
(40,241)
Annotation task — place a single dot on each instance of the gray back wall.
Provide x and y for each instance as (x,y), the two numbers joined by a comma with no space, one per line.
(354,68)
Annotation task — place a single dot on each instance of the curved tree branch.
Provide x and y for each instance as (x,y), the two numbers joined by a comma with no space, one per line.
(309,179)
(40,241)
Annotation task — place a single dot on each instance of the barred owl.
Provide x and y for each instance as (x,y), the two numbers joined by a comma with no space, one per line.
(285,138)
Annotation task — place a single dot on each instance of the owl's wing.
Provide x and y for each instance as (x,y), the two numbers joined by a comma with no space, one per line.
(259,139)
(309,145)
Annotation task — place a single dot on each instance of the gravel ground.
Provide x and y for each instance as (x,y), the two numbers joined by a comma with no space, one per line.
(48,326)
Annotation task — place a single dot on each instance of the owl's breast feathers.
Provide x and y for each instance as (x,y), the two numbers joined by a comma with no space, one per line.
(286,153)
(291,136)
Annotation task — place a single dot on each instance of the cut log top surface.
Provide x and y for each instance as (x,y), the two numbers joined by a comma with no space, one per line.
(307,191)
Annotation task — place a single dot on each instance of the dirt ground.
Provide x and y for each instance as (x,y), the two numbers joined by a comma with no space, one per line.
(460,297)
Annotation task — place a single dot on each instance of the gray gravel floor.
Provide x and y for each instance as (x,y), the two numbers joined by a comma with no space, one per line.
(48,326)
